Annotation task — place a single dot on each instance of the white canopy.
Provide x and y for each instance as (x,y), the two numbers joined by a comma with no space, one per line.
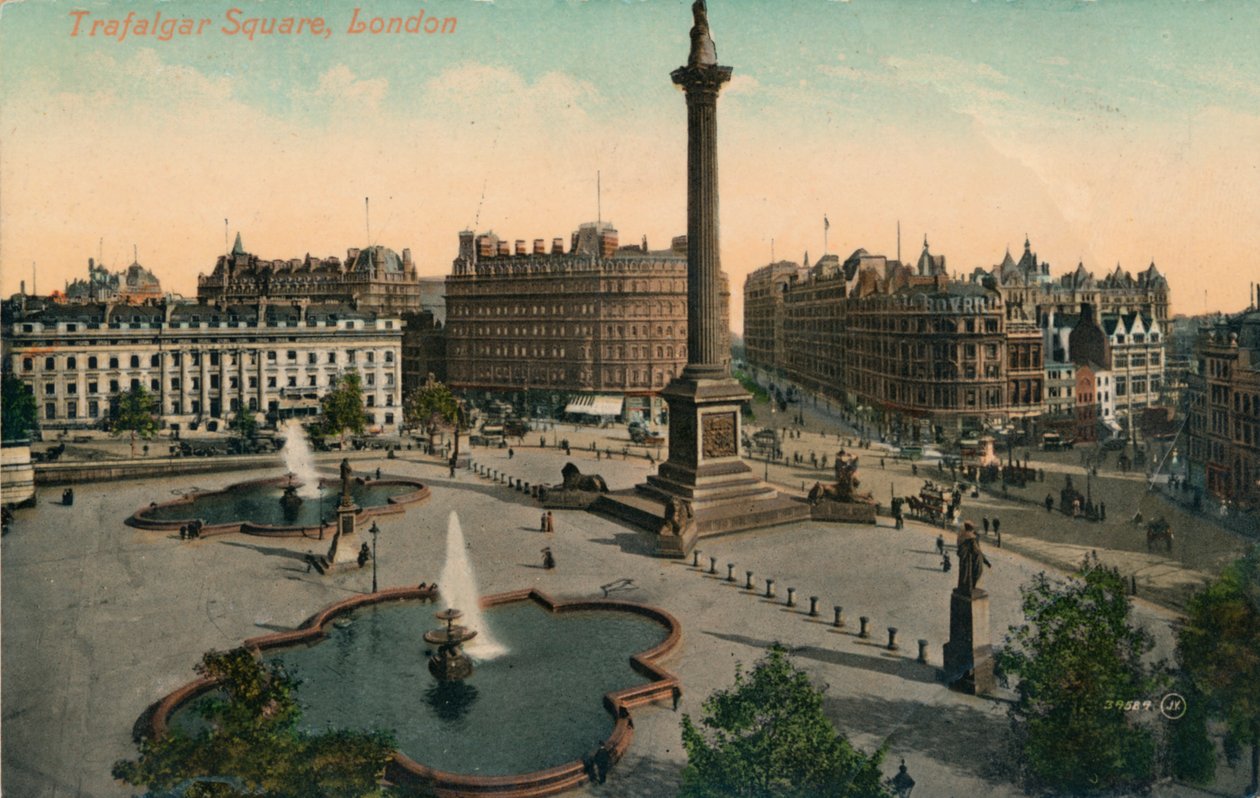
(596,405)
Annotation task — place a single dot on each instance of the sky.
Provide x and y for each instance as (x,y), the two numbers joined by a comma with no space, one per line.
(1113,131)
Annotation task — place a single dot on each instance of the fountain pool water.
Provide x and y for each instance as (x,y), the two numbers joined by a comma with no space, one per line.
(538,707)
(299,459)
(458,589)
(259,503)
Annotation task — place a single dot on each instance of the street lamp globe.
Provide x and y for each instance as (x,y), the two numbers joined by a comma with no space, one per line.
(902,782)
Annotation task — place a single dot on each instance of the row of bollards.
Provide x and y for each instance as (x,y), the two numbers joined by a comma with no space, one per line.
(837,622)
(494,475)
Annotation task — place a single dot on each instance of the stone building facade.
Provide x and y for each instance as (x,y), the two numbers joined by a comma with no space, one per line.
(835,341)
(597,318)
(134,285)
(765,290)
(373,278)
(201,362)
(1223,423)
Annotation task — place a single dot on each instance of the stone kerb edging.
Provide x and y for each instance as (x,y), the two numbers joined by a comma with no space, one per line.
(393,505)
(404,771)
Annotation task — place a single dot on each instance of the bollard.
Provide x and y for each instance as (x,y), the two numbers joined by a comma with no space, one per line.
(730,572)
(892,638)
(695,559)
(923,651)
(713,565)
(527,490)
(1133,583)
(791,600)
(769,588)
(864,632)
(813,606)
(748,585)
(839,619)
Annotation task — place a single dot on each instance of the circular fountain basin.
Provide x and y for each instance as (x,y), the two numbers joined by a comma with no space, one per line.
(520,724)
(255,506)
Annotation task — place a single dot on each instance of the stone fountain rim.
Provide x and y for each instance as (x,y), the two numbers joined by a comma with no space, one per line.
(393,505)
(402,769)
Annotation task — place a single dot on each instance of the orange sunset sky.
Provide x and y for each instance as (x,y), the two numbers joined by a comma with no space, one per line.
(1106,131)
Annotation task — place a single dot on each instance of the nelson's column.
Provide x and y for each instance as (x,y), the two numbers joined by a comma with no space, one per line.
(704,487)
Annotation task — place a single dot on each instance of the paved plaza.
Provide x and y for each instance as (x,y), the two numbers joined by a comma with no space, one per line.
(101,619)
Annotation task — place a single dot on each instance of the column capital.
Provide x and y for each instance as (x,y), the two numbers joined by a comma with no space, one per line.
(702,80)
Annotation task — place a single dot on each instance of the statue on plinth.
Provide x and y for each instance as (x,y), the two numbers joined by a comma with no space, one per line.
(971,560)
(842,501)
(576,490)
(346,501)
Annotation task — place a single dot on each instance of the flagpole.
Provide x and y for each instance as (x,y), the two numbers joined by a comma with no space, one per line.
(826,227)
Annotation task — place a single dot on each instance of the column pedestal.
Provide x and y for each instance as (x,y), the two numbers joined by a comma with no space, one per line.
(345,544)
(969,652)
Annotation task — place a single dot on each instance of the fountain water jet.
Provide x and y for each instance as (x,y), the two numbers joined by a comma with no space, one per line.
(299,459)
(459,589)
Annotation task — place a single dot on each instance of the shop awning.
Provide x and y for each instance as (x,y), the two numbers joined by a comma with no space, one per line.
(596,405)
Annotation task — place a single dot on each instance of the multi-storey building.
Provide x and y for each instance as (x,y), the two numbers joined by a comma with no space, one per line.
(600,320)
(135,284)
(1028,283)
(811,328)
(764,292)
(1137,364)
(374,278)
(201,362)
(1224,411)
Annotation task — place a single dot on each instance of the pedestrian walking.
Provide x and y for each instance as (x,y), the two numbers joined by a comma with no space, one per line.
(985,523)
(945,562)
(1049,502)
(1102,511)
(940,544)
(549,561)
(914,470)
(310,562)
(551,522)
(542,525)
(997,528)
(511,453)
(881,463)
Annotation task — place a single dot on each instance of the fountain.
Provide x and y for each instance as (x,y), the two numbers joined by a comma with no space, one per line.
(450,663)
(300,460)
(459,589)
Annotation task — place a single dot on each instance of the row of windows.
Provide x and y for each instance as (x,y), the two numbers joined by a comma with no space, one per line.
(70,388)
(155,361)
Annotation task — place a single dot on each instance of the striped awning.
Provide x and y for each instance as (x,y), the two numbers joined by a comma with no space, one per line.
(596,405)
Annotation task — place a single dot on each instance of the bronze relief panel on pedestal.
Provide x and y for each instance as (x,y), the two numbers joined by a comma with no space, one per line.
(718,435)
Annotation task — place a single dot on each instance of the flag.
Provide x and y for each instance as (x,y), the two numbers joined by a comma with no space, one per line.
(826,222)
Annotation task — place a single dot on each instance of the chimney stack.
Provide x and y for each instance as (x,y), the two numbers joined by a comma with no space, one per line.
(540,246)
(557,246)
(505,249)
(520,246)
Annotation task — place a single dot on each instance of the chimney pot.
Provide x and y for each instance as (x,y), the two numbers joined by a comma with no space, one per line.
(540,246)
(520,246)
(557,246)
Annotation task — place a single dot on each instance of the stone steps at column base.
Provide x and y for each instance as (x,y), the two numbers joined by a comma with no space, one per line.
(645,509)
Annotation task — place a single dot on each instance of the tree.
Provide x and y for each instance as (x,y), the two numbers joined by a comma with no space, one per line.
(343,407)
(1079,661)
(18,418)
(133,411)
(433,407)
(245,425)
(1219,652)
(252,745)
(767,736)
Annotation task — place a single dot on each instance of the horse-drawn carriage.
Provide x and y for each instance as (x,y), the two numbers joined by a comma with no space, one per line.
(931,504)
(1158,531)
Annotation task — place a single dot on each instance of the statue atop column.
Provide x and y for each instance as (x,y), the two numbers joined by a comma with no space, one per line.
(703,50)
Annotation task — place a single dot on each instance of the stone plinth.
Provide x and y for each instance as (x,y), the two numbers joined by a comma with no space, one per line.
(969,652)
(843,512)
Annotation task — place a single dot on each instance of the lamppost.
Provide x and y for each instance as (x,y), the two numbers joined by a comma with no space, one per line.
(374,531)
(902,782)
